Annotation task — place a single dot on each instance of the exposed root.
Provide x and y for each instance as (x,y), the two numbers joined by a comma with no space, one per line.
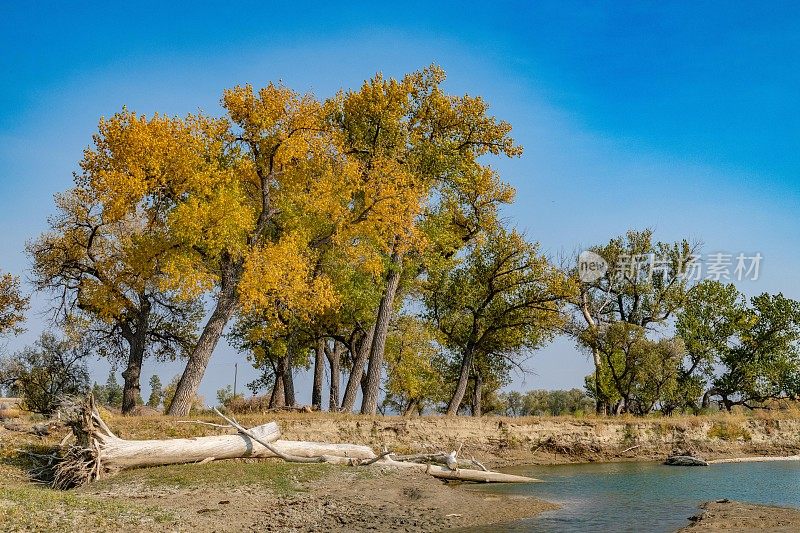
(78,466)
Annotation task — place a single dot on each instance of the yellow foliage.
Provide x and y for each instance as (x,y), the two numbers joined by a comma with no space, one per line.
(410,352)
(278,191)
(279,281)
(12,304)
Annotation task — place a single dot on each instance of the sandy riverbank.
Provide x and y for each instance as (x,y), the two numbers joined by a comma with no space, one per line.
(725,515)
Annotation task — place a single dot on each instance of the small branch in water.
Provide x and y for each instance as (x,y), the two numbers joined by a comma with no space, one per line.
(477,463)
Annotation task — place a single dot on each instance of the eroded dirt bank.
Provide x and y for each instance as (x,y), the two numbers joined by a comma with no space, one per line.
(504,441)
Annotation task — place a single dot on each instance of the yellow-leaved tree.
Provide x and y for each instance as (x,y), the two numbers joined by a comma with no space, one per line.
(411,141)
(413,380)
(104,256)
(255,211)
(13,305)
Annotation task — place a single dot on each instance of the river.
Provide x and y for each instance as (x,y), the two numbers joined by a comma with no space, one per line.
(639,497)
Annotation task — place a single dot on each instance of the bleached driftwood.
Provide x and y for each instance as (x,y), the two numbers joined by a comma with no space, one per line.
(439,458)
(98,452)
(117,454)
(452,469)
(462,474)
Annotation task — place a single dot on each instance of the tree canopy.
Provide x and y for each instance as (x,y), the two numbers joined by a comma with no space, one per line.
(361,236)
(13,305)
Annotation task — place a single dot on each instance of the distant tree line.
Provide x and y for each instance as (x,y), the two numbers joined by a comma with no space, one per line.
(547,403)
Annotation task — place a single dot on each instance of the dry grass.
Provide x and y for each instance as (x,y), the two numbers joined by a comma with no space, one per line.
(114,503)
(279,477)
(33,508)
(162,426)
(728,431)
(28,506)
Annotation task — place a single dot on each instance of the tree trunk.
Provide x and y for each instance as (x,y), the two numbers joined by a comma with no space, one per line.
(119,454)
(201,355)
(477,400)
(705,403)
(409,409)
(463,380)
(462,474)
(278,396)
(137,343)
(601,405)
(288,383)
(319,374)
(131,390)
(357,371)
(334,359)
(726,402)
(369,404)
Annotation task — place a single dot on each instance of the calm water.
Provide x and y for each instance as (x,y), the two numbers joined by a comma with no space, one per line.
(645,496)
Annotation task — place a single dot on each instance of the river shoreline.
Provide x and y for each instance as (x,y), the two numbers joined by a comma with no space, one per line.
(339,499)
(726,515)
(505,442)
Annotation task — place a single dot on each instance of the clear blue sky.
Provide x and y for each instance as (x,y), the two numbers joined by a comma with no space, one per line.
(675,115)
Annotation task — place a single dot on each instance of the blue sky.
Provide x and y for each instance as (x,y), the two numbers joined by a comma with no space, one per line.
(678,116)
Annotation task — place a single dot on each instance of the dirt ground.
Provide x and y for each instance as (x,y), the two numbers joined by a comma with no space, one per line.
(725,515)
(238,495)
(342,500)
(233,498)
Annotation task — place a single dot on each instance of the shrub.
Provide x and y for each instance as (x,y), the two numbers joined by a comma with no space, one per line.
(47,372)
(728,431)
(240,405)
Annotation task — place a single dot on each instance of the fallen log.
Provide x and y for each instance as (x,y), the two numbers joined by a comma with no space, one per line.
(440,458)
(462,474)
(98,452)
(117,454)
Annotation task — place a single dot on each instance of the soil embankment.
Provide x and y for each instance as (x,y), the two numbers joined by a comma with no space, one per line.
(533,440)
